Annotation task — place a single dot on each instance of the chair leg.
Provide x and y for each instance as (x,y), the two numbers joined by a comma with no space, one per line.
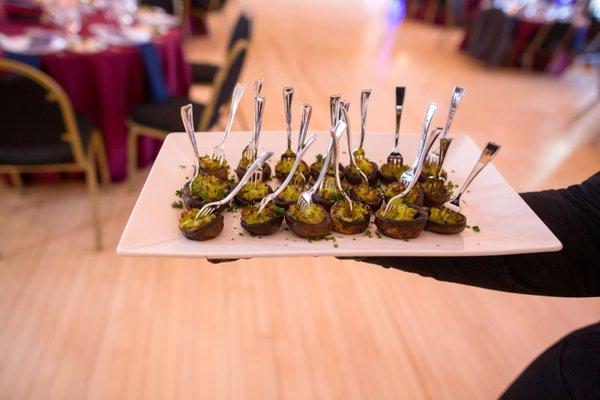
(102,159)
(131,156)
(16,181)
(412,9)
(92,186)
(431,11)
(527,62)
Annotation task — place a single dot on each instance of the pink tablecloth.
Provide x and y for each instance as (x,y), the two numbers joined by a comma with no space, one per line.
(108,85)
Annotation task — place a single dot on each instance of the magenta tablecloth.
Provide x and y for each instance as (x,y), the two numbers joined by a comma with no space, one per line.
(108,85)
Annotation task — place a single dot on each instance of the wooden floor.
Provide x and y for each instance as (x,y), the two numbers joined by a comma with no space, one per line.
(80,324)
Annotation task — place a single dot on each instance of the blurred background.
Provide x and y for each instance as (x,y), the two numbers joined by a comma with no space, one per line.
(83,323)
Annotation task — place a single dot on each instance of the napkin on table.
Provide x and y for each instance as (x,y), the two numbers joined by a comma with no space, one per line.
(154,71)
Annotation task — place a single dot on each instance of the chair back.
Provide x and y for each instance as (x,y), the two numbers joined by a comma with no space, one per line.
(242,30)
(559,33)
(166,5)
(225,81)
(36,112)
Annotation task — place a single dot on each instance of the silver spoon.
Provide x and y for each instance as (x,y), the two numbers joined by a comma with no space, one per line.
(336,156)
(435,180)
(288,96)
(304,122)
(309,141)
(344,106)
(219,150)
(259,106)
(488,153)
(410,178)
(210,208)
(187,117)
(457,94)
(424,145)
(305,199)
(364,105)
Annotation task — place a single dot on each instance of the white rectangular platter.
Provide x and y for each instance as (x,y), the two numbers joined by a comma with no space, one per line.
(507,225)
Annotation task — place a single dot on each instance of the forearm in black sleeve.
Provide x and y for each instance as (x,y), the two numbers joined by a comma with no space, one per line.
(572,214)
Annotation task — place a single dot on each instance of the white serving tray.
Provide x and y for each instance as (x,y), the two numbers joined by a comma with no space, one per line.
(507,225)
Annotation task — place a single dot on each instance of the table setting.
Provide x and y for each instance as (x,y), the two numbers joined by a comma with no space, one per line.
(503,30)
(108,56)
(329,192)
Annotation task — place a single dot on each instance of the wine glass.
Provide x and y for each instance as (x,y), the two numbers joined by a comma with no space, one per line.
(72,21)
(124,11)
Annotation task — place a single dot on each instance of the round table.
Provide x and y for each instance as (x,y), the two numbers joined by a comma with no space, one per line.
(519,30)
(106,86)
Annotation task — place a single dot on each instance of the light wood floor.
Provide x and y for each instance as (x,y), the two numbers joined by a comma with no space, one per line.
(77,324)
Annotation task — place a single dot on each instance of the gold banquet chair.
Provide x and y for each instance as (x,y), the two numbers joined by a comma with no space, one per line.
(157,120)
(40,132)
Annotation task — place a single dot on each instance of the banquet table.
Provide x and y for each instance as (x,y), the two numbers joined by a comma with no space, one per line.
(512,37)
(106,86)
(435,11)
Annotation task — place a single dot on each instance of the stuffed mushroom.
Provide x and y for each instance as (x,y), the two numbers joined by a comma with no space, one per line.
(445,221)
(252,192)
(389,173)
(435,192)
(204,189)
(201,228)
(245,163)
(415,196)
(349,221)
(402,221)
(284,166)
(266,223)
(367,195)
(288,196)
(313,223)
(211,166)
(428,170)
(328,194)
(315,168)
(369,168)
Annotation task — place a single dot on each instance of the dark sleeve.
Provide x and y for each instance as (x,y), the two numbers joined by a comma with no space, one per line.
(570,369)
(572,214)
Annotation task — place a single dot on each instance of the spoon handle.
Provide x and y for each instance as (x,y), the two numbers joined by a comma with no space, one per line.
(488,153)
(259,106)
(345,105)
(258,84)
(309,141)
(429,114)
(364,105)
(334,108)
(444,145)
(336,155)
(397,132)
(304,122)
(260,160)
(238,92)
(457,95)
(288,96)
(339,130)
(419,166)
(187,117)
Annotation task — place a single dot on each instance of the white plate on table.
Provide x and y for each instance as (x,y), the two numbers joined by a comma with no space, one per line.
(507,225)
(155,16)
(88,45)
(123,37)
(33,43)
